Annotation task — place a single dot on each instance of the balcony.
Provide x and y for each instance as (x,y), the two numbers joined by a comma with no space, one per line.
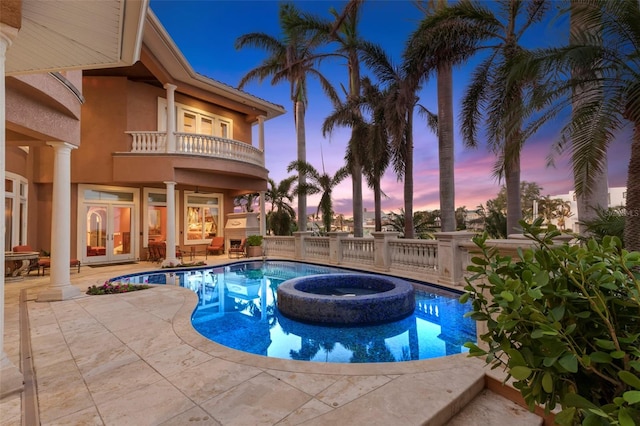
(154,142)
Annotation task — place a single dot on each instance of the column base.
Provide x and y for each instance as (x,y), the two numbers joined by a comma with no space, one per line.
(12,379)
(170,263)
(56,294)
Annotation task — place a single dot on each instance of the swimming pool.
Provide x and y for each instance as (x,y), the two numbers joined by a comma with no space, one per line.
(237,308)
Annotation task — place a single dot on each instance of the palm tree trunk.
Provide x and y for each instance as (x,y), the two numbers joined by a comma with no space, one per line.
(446,143)
(356,168)
(512,181)
(356,187)
(377,202)
(408,177)
(445,148)
(632,220)
(302,156)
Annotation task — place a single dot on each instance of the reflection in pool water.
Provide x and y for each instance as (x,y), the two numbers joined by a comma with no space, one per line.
(237,308)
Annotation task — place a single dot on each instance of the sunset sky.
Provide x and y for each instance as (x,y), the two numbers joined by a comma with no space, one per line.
(206,30)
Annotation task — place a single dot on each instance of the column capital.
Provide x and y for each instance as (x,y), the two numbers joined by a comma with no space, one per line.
(169,86)
(62,144)
(7,35)
(169,182)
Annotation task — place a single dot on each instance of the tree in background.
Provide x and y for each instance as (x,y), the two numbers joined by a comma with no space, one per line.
(495,212)
(281,216)
(529,192)
(247,202)
(319,184)
(401,85)
(343,31)
(494,98)
(425,223)
(609,93)
(377,152)
(292,58)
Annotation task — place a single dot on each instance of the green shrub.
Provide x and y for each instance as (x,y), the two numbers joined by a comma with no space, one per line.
(254,240)
(564,322)
(608,221)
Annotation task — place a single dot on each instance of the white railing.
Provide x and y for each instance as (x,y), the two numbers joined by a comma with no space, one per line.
(415,255)
(277,246)
(440,261)
(194,144)
(153,142)
(316,248)
(358,251)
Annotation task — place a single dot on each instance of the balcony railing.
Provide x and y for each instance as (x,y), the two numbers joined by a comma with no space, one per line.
(194,144)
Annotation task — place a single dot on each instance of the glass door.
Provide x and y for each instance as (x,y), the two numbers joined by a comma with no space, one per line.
(121,248)
(106,225)
(109,231)
(96,233)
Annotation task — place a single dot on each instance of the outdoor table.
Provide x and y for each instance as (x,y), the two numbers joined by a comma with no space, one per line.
(16,264)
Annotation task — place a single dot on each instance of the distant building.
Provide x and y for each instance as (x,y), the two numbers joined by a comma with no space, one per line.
(617,198)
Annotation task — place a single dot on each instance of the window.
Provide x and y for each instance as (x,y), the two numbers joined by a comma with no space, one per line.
(193,120)
(15,210)
(155,226)
(202,217)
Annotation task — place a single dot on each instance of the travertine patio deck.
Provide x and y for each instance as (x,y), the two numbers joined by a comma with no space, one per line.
(134,359)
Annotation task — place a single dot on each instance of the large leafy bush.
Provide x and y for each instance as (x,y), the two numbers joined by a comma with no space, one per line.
(564,320)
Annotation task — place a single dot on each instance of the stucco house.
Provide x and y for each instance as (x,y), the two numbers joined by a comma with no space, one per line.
(110,139)
(146,131)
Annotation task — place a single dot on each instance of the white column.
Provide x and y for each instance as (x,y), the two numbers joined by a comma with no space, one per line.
(12,379)
(261,132)
(60,287)
(263,216)
(170,258)
(171,117)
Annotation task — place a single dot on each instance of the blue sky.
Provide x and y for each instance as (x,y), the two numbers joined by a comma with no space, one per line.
(206,30)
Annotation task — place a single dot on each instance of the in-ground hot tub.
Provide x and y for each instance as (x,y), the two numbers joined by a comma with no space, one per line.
(346,299)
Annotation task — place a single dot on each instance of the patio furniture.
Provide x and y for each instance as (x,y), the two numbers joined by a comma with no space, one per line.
(238,251)
(33,262)
(158,251)
(216,246)
(45,263)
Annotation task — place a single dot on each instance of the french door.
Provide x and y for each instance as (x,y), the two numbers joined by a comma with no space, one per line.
(109,228)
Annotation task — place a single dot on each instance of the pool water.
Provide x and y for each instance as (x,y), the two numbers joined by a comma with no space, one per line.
(237,308)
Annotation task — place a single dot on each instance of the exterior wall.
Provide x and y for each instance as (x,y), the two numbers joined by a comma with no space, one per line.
(41,108)
(142,107)
(104,121)
(11,13)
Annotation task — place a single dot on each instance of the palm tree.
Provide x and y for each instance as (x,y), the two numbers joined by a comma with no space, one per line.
(493,96)
(291,59)
(247,201)
(597,197)
(377,153)
(401,87)
(319,184)
(343,30)
(608,95)
(443,121)
(280,195)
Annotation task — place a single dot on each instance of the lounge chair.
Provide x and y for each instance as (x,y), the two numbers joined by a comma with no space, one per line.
(238,251)
(43,264)
(216,246)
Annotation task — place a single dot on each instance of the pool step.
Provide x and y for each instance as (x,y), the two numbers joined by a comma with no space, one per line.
(489,408)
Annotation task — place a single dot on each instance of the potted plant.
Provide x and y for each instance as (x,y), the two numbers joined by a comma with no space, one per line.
(254,246)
